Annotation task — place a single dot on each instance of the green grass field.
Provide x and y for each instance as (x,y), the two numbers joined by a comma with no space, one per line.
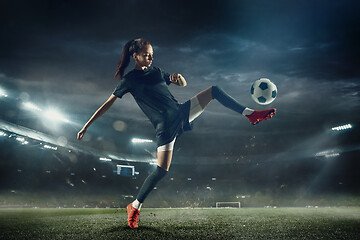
(245,223)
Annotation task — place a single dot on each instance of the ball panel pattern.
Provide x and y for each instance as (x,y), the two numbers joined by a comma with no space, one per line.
(263,91)
(263,85)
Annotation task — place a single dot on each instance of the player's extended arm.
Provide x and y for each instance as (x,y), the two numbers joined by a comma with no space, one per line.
(178,79)
(96,115)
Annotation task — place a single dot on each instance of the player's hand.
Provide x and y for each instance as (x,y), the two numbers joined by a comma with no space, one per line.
(81,133)
(174,77)
(178,79)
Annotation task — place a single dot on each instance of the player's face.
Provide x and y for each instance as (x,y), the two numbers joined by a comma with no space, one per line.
(144,58)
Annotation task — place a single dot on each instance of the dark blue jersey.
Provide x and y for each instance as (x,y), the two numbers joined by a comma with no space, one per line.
(149,88)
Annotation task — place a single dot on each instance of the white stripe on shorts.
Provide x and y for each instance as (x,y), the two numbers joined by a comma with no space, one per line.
(195,111)
(167,147)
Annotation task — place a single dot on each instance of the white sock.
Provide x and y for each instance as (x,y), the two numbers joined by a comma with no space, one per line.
(247,111)
(136,204)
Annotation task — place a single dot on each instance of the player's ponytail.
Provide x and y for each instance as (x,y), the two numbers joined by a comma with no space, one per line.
(131,47)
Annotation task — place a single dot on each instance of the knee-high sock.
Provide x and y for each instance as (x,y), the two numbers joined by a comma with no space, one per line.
(226,100)
(150,183)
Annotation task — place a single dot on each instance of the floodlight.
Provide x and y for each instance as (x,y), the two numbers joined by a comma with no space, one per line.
(3,93)
(342,127)
(32,106)
(328,153)
(53,115)
(332,155)
(20,139)
(50,147)
(105,159)
(139,140)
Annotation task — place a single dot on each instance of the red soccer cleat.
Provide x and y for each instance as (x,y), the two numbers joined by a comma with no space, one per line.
(133,215)
(258,116)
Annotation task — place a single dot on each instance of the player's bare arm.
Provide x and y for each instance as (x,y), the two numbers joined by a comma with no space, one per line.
(96,115)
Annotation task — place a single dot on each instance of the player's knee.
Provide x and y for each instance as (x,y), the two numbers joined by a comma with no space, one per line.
(161,171)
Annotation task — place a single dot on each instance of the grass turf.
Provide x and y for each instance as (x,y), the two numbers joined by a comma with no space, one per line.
(248,223)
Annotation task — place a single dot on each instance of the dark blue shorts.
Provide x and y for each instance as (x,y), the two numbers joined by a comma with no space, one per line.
(180,125)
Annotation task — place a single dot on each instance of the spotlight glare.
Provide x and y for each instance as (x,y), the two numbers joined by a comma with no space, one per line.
(53,115)
(138,140)
(50,147)
(3,93)
(332,155)
(342,127)
(20,139)
(328,153)
(32,106)
(105,159)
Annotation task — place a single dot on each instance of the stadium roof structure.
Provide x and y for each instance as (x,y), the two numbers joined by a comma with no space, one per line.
(45,138)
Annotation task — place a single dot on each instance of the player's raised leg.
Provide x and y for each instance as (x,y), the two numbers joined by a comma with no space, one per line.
(215,92)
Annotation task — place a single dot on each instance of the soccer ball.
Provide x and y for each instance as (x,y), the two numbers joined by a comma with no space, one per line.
(263,91)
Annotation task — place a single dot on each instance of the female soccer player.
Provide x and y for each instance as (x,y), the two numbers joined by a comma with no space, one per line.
(148,85)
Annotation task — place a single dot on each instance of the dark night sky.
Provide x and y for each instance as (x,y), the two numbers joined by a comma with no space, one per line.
(64,54)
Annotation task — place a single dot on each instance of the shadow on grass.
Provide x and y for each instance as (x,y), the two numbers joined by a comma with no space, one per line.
(127,228)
